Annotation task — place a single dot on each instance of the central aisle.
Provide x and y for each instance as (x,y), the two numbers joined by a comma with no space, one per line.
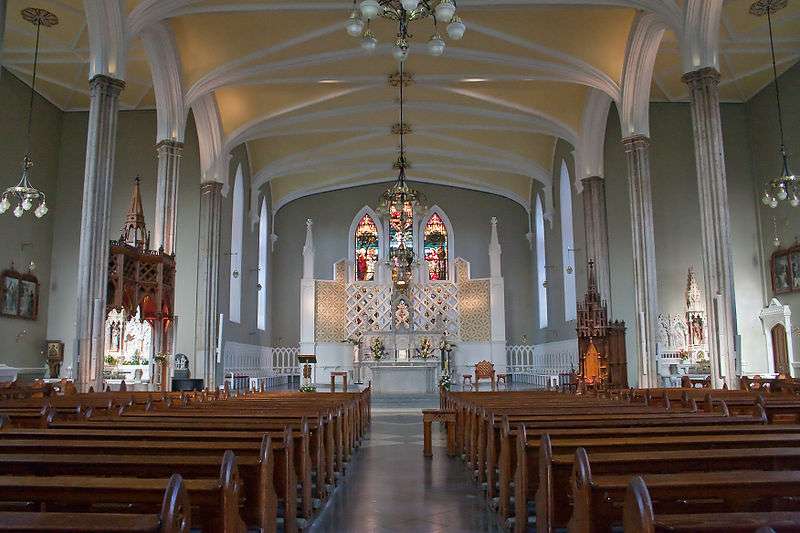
(391,487)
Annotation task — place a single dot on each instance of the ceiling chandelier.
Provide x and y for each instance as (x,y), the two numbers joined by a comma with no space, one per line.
(399,203)
(787,185)
(24,194)
(405,12)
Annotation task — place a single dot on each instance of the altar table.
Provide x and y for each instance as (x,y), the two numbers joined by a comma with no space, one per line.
(404,378)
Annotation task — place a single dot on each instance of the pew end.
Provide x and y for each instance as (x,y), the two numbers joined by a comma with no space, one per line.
(637,514)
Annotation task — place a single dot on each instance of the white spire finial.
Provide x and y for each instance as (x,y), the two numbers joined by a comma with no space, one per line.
(494,251)
(308,251)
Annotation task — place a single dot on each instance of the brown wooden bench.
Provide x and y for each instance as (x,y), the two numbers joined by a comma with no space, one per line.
(436,415)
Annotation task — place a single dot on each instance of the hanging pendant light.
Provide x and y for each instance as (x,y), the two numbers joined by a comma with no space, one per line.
(24,194)
(401,202)
(787,185)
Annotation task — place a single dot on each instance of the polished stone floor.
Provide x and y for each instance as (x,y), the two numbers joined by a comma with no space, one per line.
(391,487)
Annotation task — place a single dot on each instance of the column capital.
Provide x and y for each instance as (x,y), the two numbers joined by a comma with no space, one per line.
(169,144)
(210,187)
(592,179)
(636,142)
(111,86)
(701,77)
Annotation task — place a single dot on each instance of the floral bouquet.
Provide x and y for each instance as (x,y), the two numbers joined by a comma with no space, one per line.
(308,387)
(425,348)
(378,349)
(445,382)
(446,345)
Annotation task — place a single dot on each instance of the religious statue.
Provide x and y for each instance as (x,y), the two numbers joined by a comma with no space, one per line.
(697,325)
(115,334)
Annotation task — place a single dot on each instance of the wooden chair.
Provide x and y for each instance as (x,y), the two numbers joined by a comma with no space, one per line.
(484,370)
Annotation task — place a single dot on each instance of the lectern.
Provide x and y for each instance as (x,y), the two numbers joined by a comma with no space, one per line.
(309,372)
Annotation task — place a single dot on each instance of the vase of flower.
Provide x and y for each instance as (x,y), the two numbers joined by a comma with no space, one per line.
(377,348)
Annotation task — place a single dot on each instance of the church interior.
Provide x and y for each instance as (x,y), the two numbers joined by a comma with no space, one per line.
(400,265)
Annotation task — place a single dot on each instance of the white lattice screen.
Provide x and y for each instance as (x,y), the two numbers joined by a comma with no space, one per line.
(369,308)
(436,307)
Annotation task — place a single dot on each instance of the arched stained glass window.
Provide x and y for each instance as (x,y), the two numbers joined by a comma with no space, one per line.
(366,249)
(401,225)
(541,261)
(435,247)
(263,254)
(568,245)
(237,235)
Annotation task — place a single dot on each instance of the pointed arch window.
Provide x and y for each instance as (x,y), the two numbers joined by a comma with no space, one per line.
(567,245)
(366,250)
(541,261)
(435,248)
(263,256)
(237,234)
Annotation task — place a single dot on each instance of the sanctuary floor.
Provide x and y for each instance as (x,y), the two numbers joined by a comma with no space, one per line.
(393,488)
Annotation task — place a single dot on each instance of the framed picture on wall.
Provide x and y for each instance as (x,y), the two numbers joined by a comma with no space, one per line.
(785,270)
(20,295)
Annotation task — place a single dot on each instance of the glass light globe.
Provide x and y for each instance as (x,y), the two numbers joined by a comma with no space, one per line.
(782,194)
(354,25)
(445,11)
(4,205)
(369,42)
(27,204)
(18,211)
(41,210)
(773,202)
(436,45)
(794,201)
(369,8)
(456,29)
(766,198)
(409,5)
(400,53)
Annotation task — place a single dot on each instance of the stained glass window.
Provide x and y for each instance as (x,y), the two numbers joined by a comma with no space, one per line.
(401,224)
(435,247)
(366,249)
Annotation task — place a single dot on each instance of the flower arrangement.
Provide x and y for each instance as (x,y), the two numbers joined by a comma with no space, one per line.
(446,345)
(354,340)
(445,382)
(161,358)
(308,387)
(425,348)
(378,349)
(111,360)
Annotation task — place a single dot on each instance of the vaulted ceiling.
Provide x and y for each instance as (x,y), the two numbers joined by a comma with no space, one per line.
(316,110)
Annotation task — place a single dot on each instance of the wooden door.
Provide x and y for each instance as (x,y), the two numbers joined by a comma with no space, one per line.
(780,349)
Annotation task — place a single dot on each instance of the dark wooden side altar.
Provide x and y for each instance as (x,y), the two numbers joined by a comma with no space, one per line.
(601,344)
(140,279)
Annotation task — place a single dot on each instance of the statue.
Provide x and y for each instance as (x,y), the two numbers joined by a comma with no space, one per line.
(698,335)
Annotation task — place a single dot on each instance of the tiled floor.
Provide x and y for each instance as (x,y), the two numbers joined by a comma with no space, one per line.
(392,488)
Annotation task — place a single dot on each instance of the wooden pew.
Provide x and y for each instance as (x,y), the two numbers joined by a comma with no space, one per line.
(174,517)
(641,517)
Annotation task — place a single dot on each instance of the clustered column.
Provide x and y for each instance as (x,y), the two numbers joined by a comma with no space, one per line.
(644,256)
(95,217)
(208,282)
(715,223)
(596,224)
(169,165)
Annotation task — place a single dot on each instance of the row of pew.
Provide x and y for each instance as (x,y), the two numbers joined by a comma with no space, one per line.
(648,460)
(139,461)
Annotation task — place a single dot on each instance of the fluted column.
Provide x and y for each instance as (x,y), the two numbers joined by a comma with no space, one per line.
(714,224)
(207,321)
(595,221)
(169,167)
(644,257)
(96,213)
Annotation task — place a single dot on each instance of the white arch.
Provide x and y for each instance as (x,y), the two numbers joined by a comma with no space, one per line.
(213,165)
(541,261)
(263,265)
(435,209)
(105,22)
(165,67)
(640,56)
(237,248)
(700,39)
(589,152)
(351,243)
(567,243)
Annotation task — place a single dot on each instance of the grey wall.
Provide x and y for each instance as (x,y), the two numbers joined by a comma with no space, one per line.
(245,332)
(333,212)
(763,126)
(27,239)
(677,219)
(135,155)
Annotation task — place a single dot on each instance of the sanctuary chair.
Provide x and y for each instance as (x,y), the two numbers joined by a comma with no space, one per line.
(484,370)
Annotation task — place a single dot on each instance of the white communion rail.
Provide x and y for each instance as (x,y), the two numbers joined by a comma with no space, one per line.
(541,365)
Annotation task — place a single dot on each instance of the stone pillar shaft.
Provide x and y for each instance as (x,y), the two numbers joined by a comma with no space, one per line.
(596,226)
(714,224)
(2,26)
(169,167)
(644,257)
(95,217)
(206,326)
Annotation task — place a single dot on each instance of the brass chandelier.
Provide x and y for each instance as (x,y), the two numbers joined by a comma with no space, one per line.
(24,194)
(787,185)
(399,204)
(404,12)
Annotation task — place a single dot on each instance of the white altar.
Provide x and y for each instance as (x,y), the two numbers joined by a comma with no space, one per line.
(411,377)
